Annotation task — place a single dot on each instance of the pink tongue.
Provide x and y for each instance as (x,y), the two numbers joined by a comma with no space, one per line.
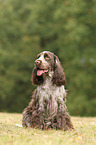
(39,72)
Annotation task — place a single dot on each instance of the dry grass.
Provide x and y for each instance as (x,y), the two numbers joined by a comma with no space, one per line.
(10,134)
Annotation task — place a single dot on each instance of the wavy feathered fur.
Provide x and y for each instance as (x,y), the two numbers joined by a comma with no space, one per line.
(36,80)
(47,108)
(59,75)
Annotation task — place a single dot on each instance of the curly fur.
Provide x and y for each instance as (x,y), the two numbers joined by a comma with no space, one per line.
(36,80)
(47,108)
(59,75)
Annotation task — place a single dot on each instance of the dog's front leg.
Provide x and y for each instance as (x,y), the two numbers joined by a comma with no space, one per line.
(41,113)
(41,116)
(63,117)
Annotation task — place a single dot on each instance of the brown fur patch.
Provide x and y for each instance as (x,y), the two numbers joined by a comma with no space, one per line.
(36,118)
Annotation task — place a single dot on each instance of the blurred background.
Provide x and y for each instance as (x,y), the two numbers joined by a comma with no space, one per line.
(64,27)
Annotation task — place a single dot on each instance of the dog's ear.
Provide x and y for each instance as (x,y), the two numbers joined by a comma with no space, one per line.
(36,80)
(59,75)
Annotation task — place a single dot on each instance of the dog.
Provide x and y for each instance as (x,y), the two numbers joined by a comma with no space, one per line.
(47,108)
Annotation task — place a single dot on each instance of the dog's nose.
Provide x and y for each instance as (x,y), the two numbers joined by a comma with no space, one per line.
(37,62)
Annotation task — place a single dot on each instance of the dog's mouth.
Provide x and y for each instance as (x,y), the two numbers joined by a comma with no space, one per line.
(41,71)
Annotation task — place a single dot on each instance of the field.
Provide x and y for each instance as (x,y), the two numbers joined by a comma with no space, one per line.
(10,134)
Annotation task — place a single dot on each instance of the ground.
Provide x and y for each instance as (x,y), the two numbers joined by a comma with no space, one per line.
(10,134)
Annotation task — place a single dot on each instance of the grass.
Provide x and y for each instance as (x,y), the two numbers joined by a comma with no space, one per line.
(10,134)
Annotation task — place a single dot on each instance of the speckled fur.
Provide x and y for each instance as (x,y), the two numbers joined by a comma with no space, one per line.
(45,93)
(47,108)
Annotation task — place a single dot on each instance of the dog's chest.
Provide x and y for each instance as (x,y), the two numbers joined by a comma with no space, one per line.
(50,96)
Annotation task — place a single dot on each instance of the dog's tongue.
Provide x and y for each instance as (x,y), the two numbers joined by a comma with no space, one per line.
(40,72)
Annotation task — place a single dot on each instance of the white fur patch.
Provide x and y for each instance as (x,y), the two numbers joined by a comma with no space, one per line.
(52,94)
(56,60)
(44,62)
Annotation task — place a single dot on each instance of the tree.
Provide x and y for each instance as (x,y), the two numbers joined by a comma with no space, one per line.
(65,27)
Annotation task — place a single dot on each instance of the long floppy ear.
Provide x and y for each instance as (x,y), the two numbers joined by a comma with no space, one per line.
(59,75)
(36,80)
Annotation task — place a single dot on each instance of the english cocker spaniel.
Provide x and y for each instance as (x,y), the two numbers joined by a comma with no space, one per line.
(47,108)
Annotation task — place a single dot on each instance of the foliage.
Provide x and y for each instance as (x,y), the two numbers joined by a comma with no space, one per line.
(65,27)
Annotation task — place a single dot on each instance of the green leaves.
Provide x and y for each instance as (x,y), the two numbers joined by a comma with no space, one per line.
(67,28)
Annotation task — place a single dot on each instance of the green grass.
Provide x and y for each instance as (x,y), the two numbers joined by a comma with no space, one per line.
(10,134)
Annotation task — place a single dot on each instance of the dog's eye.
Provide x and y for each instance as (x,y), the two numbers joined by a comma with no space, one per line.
(46,56)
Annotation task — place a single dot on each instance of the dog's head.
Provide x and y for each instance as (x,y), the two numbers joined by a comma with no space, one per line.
(47,63)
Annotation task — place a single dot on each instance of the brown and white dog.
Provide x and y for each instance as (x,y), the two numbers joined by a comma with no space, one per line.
(47,108)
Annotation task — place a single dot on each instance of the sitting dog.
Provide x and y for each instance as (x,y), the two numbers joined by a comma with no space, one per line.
(47,108)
